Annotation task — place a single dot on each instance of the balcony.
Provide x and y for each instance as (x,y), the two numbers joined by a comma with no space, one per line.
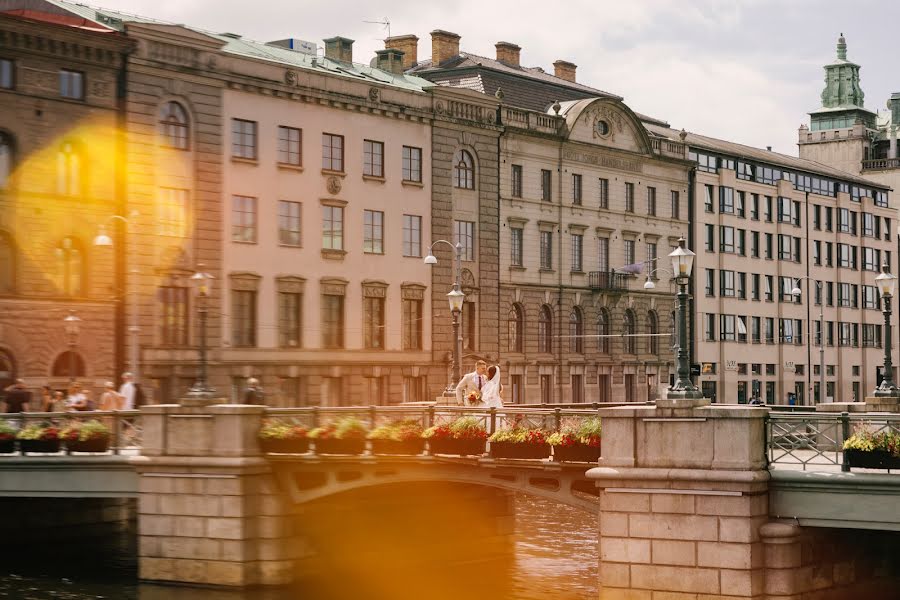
(608,281)
(881,164)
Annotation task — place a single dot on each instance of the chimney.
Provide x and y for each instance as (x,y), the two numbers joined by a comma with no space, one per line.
(564,70)
(339,48)
(408,44)
(444,46)
(390,60)
(508,53)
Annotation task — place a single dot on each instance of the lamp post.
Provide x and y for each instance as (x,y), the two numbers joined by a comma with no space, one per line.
(886,281)
(796,292)
(456,298)
(72,325)
(684,393)
(103,239)
(201,391)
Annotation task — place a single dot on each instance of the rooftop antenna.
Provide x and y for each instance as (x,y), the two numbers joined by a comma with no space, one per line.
(384,22)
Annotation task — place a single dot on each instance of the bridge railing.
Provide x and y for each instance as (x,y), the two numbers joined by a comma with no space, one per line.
(125,432)
(812,440)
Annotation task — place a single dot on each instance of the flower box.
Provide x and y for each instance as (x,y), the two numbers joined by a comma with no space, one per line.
(576,453)
(876,459)
(7,446)
(97,444)
(393,447)
(285,446)
(463,447)
(340,446)
(519,450)
(45,446)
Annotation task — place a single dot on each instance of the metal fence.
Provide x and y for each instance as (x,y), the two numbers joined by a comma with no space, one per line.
(125,434)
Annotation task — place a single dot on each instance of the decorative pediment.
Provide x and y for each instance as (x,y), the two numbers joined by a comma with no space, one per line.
(608,123)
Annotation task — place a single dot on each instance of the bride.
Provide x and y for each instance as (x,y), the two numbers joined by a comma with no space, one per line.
(491,392)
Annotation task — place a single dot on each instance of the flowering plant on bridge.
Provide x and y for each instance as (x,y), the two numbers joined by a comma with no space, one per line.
(465,436)
(7,431)
(873,450)
(345,436)
(398,437)
(38,438)
(284,437)
(85,436)
(581,444)
(519,442)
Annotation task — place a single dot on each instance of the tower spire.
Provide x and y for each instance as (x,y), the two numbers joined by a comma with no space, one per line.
(842,48)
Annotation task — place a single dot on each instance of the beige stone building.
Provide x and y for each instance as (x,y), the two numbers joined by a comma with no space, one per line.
(60,170)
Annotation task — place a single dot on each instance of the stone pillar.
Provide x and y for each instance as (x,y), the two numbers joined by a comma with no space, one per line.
(882,404)
(683,494)
(782,550)
(209,511)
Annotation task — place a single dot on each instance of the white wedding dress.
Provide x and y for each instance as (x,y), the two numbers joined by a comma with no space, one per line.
(490,392)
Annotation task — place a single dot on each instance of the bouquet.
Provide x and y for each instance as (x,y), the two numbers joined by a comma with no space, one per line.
(473,397)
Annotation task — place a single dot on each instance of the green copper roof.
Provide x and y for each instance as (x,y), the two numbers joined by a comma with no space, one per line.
(842,89)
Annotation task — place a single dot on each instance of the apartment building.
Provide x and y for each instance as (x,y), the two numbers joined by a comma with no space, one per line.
(59,172)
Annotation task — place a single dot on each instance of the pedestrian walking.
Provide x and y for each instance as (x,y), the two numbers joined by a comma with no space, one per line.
(17,397)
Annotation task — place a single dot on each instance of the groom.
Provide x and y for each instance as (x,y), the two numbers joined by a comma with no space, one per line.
(471,381)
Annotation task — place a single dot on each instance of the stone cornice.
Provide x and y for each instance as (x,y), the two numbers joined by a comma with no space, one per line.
(31,37)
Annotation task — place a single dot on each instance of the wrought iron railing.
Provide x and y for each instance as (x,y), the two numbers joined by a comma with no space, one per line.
(809,440)
(125,432)
(608,280)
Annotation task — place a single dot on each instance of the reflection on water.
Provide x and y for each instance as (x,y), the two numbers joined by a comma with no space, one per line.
(554,555)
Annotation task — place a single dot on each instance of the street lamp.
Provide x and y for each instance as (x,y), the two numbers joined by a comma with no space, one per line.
(886,281)
(684,393)
(796,293)
(104,240)
(456,298)
(72,326)
(201,391)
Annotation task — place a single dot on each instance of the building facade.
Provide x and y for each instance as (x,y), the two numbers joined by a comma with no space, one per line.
(59,174)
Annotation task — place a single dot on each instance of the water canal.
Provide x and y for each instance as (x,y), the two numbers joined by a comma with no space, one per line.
(554,554)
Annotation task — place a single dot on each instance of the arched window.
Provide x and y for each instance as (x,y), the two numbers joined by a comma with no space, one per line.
(7,264)
(68,170)
(6,159)
(629,329)
(463,170)
(576,331)
(68,364)
(70,267)
(603,331)
(653,329)
(545,330)
(516,322)
(173,126)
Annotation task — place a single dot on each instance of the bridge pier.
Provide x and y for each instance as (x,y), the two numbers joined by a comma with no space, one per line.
(209,511)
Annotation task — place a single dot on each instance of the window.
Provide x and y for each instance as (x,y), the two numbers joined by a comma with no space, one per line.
(332,227)
(786,331)
(871,336)
(173,126)
(516,328)
(464,234)
(828,219)
(243,219)
(817,253)
(71,84)
(727,328)
(68,172)
(373,158)
(289,223)
(546,389)
(373,232)
(290,146)
(603,192)
(829,255)
(652,331)
(710,282)
(846,221)
(7,74)
(651,201)
(546,249)
(603,254)
(709,327)
(651,255)
(577,389)
(727,239)
(290,305)
(70,267)
(846,256)
(332,321)
(768,209)
(785,247)
(546,185)
(173,318)
(770,338)
(463,170)
(7,263)
(710,238)
(243,318)
(468,322)
(171,212)
(829,293)
(756,335)
(629,197)
(871,259)
(515,244)
(769,246)
(333,152)
(739,205)
(708,201)
(545,330)
(6,159)
(754,287)
(517,181)
(726,200)
(576,331)
(785,290)
(705,162)
(577,252)
(629,329)
(676,205)
(412,164)
(817,217)
(412,235)
(373,323)
(754,207)
(870,296)
(412,324)
(243,139)
(603,331)
(726,284)
(770,293)
(870,224)
(576,189)
(630,257)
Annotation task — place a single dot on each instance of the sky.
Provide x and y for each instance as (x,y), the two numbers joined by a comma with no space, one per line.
(747,71)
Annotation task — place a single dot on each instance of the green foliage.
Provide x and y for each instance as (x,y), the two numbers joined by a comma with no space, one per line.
(463,428)
(7,431)
(865,441)
(519,435)
(280,430)
(36,431)
(398,431)
(346,428)
(589,428)
(82,431)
